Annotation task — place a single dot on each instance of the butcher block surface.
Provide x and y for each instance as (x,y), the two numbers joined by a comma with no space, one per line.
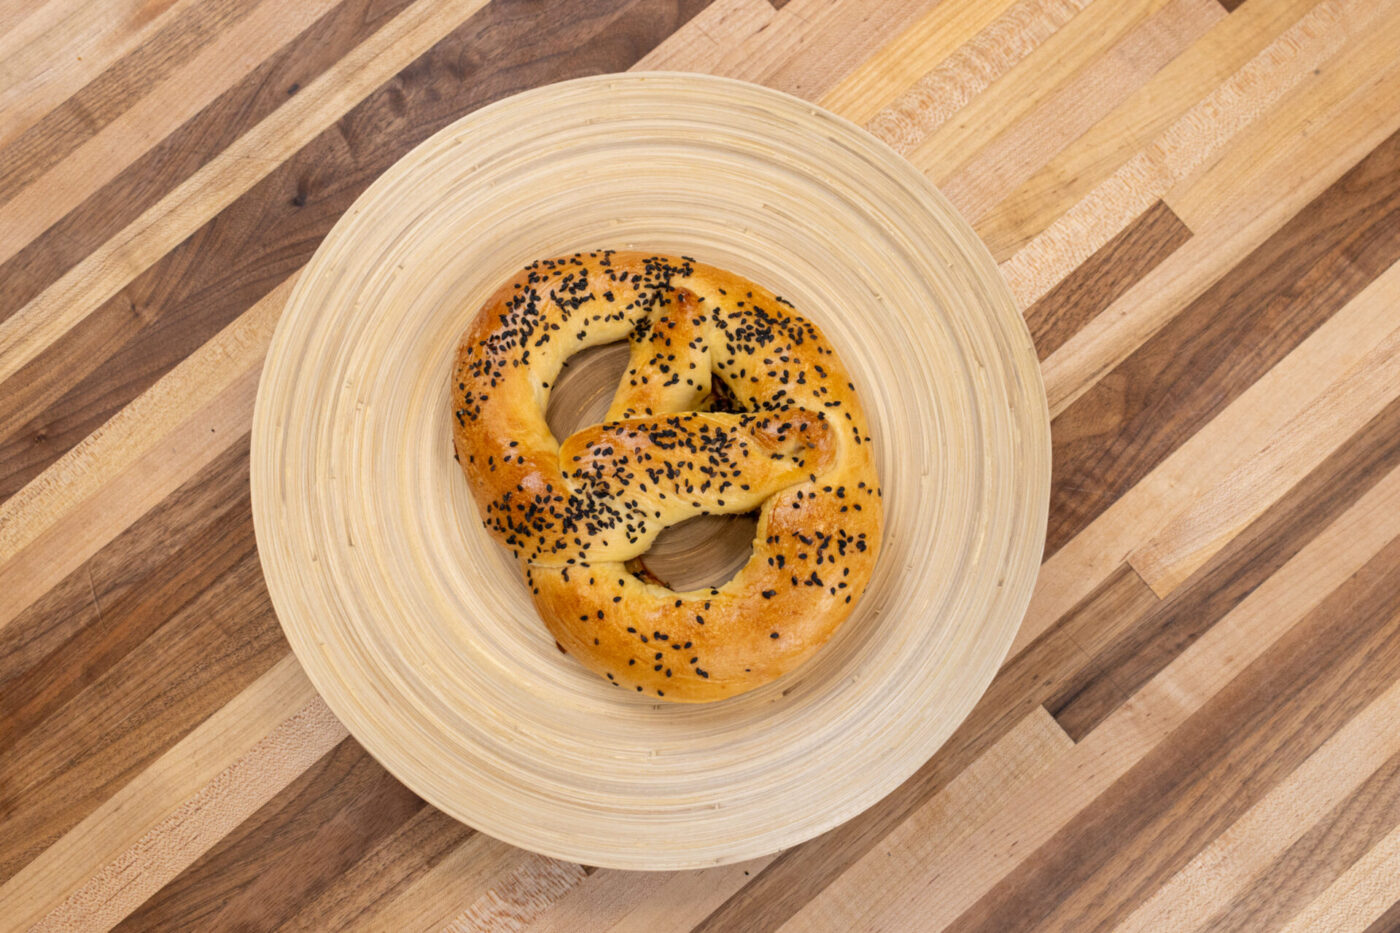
(1196,203)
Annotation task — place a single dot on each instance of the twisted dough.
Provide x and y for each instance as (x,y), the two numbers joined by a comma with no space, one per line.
(797,448)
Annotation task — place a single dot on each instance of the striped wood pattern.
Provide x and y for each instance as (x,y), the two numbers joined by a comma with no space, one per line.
(1197,204)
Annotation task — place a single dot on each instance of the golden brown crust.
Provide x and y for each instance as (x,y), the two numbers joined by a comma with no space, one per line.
(573,513)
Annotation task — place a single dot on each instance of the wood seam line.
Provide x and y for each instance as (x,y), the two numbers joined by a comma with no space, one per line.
(1235,436)
(113,92)
(1176,692)
(214,386)
(1241,99)
(201,763)
(92,590)
(1210,522)
(1244,851)
(1101,279)
(80,174)
(86,50)
(976,181)
(1340,138)
(1088,656)
(1034,746)
(225,178)
(1362,893)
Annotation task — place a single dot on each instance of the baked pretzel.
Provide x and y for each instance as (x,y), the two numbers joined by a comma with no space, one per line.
(731,402)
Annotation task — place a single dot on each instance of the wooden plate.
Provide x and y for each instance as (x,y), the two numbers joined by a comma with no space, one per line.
(415,626)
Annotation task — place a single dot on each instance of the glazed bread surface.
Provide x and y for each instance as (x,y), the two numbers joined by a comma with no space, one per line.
(731,402)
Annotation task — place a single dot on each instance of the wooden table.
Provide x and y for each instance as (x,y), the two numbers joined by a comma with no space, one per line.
(1197,202)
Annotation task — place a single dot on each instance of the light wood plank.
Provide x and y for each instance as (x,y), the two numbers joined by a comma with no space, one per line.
(514,904)
(84,500)
(808,45)
(1198,136)
(1210,521)
(1133,124)
(1359,896)
(1033,747)
(1240,854)
(225,178)
(1234,438)
(953,881)
(1005,43)
(1085,36)
(470,872)
(647,902)
(182,797)
(916,52)
(836,36)
(1270,155)
(702,43)
(63,45)
(1069,110)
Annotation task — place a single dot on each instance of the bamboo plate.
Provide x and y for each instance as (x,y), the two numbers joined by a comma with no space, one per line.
(415,626)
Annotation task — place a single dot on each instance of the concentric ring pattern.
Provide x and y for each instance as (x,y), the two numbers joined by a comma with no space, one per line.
(414,625)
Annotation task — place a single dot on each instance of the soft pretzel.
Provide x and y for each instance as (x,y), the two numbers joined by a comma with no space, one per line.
(795,446)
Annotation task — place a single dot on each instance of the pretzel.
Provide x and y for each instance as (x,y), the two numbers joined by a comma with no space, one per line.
(731,402)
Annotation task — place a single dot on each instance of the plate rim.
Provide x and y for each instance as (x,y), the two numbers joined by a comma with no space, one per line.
(1026,557)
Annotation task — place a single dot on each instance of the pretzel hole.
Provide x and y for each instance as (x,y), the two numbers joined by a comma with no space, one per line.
(721,397)
(706,550)
(584,388)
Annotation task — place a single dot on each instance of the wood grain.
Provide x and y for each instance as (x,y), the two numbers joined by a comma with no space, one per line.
(151,175)
(270,232)
(291,849)
(1235,571)
(1089,160)
(1195,203)
(1223,341)
(1104,276)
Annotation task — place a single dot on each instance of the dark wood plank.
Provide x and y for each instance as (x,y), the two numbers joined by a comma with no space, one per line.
(1192,785)
(1338,838)
(179,155)
(1103,277)
(212,544)
(113,92)
(1388,922)
(58,772)
(1231,5)
(299,842)
(1129,661)
(45,624)
(350,901)
(1026,681)
(136,557)
(1216,347)
(270,232)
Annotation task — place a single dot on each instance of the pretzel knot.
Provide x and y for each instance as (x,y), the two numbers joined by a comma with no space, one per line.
(731,402)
